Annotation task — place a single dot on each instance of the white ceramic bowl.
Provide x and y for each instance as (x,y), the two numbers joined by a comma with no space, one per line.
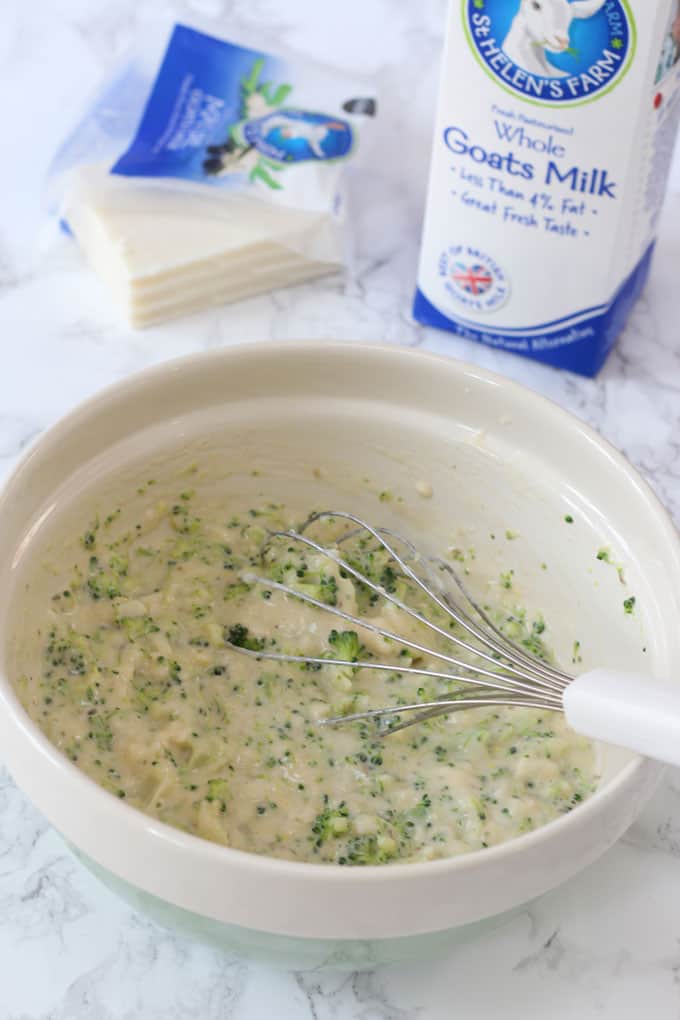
(498,457)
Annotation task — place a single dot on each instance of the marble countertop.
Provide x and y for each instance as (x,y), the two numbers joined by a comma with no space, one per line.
(607,944)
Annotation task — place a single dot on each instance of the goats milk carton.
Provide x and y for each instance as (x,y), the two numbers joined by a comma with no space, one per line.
(553,141)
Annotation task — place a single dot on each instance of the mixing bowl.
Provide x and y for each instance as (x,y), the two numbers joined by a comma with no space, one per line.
(357,427)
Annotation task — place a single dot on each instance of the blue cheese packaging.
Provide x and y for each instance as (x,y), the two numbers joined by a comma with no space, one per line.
(208,170)
(225,115)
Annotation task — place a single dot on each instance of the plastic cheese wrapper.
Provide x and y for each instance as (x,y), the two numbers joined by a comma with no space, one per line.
(209,173)
(553,141)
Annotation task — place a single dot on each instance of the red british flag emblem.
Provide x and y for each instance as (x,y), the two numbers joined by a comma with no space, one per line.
(475,279)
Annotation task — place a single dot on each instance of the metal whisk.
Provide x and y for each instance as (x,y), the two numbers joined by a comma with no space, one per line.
(627,709)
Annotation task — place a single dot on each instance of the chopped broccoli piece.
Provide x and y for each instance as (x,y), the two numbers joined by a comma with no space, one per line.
(68,651)
(119,565)
(138,626)
(345,644)
(89,538)
(328,587)
(103,586)
(370,849)
(629,605)
(324,590)
(100,732)
(388,579)
(533,642)
(239,635)
(233,591)
(218,791)
(506,579)
(329,822)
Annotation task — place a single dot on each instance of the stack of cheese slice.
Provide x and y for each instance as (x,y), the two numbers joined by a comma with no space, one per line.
(165,251)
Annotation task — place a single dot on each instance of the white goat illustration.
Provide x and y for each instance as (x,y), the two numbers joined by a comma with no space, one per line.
(313,134)
(541,25)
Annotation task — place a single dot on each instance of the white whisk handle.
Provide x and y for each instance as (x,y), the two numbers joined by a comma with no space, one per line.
(627,709)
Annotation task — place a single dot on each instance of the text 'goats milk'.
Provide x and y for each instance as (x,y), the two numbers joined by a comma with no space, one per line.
(553,141)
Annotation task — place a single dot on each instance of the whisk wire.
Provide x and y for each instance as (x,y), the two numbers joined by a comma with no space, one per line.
(518,678)
(357,621)
(502,683)
(433,709)
(516,669)
(501,645)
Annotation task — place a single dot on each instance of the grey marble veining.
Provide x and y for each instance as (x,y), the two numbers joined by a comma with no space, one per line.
(607,944)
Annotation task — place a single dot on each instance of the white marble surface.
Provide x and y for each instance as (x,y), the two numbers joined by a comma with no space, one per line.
(608,944)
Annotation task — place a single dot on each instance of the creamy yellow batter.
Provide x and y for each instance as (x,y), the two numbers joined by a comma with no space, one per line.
(125,666)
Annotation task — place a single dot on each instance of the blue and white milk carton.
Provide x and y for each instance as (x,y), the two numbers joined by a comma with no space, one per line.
(553,141)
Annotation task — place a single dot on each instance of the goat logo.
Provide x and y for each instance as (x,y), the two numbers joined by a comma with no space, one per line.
(293,135)
(552,51)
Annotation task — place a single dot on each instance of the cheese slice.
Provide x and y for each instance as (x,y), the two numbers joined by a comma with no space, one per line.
(167,251)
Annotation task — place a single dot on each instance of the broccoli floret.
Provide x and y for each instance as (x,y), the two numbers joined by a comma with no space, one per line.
(89,539)
(388,579)
(369,561)
(234,591)
(401,826)
(328,589)
(324,590)
(103,586)
(119,565)
(370,849)
(218,789)
(345,644)
(506,579)
(100,731)
(138,626)
(331,822)
(533,642)
(239,636)
(68,651)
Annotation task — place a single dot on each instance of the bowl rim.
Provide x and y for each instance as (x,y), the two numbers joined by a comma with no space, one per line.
(200,847)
